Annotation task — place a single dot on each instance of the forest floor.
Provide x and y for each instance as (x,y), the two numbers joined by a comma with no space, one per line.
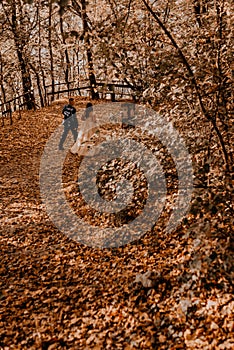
(56,293)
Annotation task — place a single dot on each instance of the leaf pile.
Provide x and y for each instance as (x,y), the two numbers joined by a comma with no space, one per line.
(159,292)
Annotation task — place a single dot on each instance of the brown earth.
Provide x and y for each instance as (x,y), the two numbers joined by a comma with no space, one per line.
(56,293)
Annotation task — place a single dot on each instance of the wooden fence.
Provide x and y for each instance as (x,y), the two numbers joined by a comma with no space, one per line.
(112,90)
(14,105)
(115,91)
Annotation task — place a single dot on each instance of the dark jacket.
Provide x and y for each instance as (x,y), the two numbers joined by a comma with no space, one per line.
(69,116)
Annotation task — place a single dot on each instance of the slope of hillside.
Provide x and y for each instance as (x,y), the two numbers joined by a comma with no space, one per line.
(58,294)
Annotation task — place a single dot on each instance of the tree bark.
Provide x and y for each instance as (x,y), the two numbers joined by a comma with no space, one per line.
(25,74)
(51,51)
(92,77)
(3,92)
(68,64)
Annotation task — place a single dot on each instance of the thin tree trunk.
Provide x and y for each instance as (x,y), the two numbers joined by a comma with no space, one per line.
(40,62)
(38,84)
(51,51)
(67,69)
(3,92)
(25,74)
(92,77)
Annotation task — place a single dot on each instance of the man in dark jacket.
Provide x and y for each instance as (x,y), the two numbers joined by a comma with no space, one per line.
(69,122)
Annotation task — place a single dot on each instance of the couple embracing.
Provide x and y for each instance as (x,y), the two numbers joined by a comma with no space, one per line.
(70,123)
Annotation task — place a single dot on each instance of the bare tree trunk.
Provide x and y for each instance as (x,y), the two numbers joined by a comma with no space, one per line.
(51,51)
(43,100)
(25,74)
(38,84)
(68,64)
(3,92)
(92,77)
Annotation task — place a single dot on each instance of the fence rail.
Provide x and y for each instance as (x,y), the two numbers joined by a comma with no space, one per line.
(115,90)
(16,104)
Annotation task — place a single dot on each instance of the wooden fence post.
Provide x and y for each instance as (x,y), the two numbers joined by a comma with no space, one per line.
(10,111)
(112,92)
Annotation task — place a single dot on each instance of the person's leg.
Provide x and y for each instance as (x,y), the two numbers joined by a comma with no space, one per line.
(63,137)
(75,134)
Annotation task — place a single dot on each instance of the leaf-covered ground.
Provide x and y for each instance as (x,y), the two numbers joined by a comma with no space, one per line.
(160,292)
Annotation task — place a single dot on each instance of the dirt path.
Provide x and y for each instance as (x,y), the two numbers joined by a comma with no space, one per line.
(58,294)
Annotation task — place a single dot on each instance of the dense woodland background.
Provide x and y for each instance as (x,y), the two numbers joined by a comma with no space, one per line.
(177,58)
(175,52)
